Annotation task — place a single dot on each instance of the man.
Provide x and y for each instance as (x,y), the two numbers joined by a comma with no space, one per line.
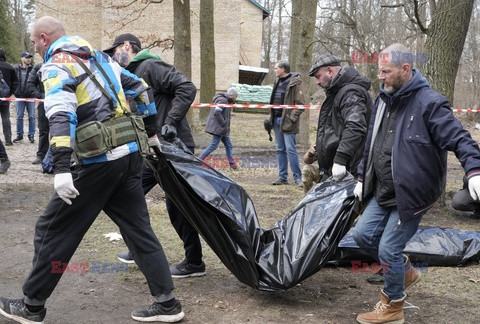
(11,79)
(23,71)
(173,94)
(109,178)
(287,90)
(403,172)
(4,161)
(343,120)
(35,90)
(218,124)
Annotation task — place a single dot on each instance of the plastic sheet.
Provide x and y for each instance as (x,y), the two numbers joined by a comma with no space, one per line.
(295,248)
(432,246)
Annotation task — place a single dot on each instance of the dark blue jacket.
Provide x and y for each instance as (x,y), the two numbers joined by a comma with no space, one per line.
(425,129)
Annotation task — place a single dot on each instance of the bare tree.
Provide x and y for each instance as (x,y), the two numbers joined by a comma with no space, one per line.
(445,40)
(207,52)
(300,53)
(183,42)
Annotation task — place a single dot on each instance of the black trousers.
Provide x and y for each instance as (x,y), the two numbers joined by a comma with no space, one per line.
(3,152)
(6,124)
(116,188)
(463,201)
(186,232)
(43,130)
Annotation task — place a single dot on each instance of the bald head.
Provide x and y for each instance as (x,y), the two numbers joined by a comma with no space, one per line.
(45,31)
(50,26)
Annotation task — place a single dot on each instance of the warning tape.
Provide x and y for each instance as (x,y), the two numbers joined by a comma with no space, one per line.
(311,107)
(248,106)
(22,99)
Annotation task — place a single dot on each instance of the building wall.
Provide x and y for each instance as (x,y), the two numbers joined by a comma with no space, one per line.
(251,28)
(238,29)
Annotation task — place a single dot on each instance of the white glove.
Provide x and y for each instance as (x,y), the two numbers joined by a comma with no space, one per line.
(474,187)
(154,141)
(63,184)
(358,191)
(338,171)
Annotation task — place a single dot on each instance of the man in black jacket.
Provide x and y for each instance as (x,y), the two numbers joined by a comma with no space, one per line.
(22,71)
(173,93)
(343,120)
(11,79)
(35,90)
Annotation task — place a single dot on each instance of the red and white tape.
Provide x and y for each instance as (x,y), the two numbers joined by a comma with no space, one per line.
(22,99)
(249,106)
(262,106)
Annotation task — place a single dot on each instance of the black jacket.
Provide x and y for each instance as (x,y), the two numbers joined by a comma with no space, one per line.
(34,84)
(343,121)
(218,121)
(173,93)
(21,90)
(8,73)
(4,89)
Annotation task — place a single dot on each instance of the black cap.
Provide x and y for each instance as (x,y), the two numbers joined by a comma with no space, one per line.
(119,40)
(26,54)
(323,60)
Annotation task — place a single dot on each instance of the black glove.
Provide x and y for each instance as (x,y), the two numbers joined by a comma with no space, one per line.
(169,132)
(267,123)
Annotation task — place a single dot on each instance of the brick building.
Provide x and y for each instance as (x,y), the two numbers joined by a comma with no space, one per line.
(238,31)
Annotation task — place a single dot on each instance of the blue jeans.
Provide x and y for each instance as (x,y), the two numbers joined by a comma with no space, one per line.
(214,145)
(21,105)
(286,152)
(380,233)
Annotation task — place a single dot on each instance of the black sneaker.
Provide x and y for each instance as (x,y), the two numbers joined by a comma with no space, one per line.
(279,182)
(4,165)
(8,143)
(376,278)
(15,309)
(18,139)
(185,270)
(126,257)
(158,313)
(31,138)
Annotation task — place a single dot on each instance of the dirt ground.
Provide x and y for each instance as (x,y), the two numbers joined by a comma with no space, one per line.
(333,295)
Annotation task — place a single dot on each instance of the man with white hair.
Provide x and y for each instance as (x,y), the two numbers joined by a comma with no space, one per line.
(403,172)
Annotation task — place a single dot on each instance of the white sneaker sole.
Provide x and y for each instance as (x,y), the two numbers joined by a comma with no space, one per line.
(126,261)
(18,319)
(161,318)
(195,274)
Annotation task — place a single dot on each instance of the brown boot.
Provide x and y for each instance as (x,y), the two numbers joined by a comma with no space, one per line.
(386,311)
(412,274)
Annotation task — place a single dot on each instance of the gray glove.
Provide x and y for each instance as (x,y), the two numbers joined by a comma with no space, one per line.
(169,132)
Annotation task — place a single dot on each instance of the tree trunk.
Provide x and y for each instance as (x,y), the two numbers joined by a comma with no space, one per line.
(183,42)
(207,53)
(300,55)
(279,31)
(444,45)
